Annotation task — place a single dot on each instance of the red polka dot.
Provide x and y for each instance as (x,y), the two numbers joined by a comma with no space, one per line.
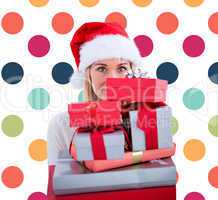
(213,177)
(167,23)
(193,46)
(12,23)
(213,23)
(62,23)
(12,177)
(144,44)
(118,18)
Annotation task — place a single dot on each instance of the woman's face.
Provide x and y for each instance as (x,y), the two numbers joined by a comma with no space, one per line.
(107,68)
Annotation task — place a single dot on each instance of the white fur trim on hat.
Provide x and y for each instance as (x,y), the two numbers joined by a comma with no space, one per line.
(109,46)
(105,47)
(77,79)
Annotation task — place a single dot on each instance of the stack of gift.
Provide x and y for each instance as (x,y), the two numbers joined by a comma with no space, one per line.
(124,142)
(154,180)
(99,134)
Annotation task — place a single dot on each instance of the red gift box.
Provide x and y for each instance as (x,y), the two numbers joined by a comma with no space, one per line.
(154,193)
(92,114)
(136,89)
(130,158)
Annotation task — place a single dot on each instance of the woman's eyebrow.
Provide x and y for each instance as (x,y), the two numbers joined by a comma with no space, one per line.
(123,63)
(100,64)
(97,63)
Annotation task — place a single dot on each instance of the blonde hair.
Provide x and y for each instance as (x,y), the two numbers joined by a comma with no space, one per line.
(89,94)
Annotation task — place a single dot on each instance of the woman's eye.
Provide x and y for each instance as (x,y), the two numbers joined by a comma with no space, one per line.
(101,69)
(122,69)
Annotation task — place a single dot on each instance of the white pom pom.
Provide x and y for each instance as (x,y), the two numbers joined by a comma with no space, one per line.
(77,80)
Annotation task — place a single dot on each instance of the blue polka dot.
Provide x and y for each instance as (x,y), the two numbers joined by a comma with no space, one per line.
(62,72)
(39,98)
(81,96)
(193,98)
(12,73)
(167,71)
(213,73)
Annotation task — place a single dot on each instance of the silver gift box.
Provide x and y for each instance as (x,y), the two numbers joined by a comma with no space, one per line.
(165,139)
(72,177)
(114,146)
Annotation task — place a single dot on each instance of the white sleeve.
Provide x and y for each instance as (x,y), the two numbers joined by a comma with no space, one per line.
(59,136)
(52,144)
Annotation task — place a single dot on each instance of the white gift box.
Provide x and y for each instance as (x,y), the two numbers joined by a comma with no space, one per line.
(72,177)
(113,142)
(163,115)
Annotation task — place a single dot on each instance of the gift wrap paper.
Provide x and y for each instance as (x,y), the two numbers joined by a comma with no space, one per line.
(97,113)
(136,89)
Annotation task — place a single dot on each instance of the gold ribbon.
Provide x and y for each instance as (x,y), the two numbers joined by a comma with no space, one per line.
(137,157)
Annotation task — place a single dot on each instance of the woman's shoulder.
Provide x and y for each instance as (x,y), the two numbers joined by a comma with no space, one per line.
(61,115)
(60,119)
(59,127)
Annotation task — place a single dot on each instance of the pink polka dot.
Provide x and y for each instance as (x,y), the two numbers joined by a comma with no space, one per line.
(194,196)
(38,45)
(144,44)
(193,46)
(37,196)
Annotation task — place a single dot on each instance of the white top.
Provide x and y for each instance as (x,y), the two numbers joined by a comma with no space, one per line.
(59,135)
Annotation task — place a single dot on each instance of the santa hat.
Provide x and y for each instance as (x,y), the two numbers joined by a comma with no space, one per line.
(95,41)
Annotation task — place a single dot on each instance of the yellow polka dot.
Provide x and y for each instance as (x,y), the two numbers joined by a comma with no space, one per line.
(194,3)
(194,150)
(89,3)
(38,3)
(38,150)
(142,3)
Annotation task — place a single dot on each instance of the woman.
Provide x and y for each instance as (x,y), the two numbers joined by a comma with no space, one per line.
(101,50)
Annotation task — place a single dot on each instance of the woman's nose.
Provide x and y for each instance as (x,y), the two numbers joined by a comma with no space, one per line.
(112,74)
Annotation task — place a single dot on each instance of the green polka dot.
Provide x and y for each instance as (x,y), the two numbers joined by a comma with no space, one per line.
(12,125)
(174,125)
(39,98)
(81,96)
(193,98)
(213,126)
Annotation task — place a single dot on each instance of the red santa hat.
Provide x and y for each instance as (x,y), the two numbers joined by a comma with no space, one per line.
(95,41)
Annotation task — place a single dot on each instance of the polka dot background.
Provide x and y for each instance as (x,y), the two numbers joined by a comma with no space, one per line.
(178,42)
